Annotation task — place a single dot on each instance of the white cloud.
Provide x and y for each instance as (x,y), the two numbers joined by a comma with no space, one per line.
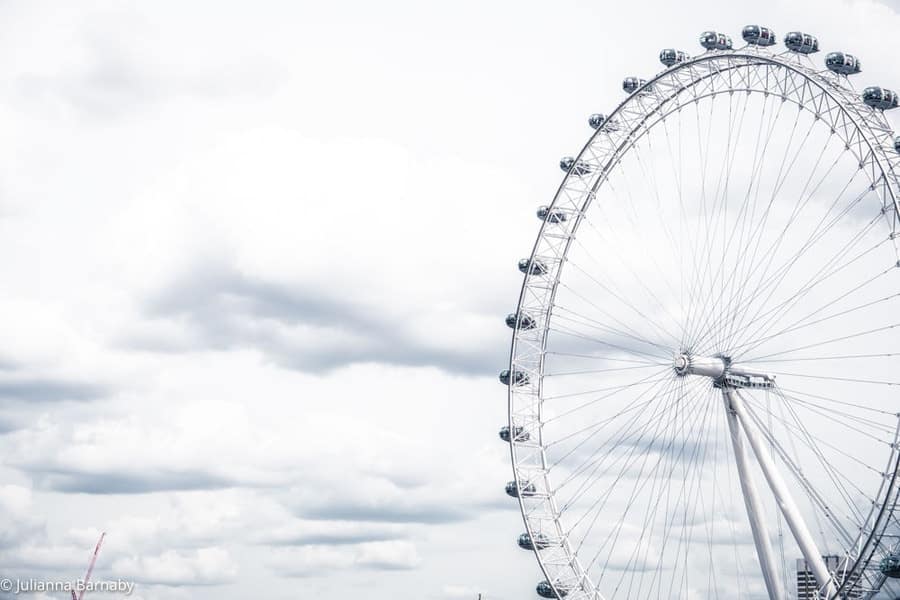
(203,566)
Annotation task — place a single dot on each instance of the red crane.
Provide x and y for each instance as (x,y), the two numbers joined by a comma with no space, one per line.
(87,576)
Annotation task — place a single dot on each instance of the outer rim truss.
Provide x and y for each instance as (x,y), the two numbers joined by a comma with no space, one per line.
(864,131)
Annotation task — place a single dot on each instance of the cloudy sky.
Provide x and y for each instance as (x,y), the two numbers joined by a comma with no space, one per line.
(256,258)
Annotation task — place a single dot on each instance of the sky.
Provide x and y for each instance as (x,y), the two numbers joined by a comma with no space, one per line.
(256,260)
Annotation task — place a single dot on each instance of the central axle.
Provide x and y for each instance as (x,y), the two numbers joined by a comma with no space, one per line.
(722,371)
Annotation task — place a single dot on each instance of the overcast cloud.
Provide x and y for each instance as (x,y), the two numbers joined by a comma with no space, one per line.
(256,263)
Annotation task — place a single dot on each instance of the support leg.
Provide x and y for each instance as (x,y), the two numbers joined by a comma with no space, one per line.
(751,500)
(783,498)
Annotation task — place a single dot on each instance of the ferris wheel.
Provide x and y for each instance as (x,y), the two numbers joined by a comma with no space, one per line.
(704,377)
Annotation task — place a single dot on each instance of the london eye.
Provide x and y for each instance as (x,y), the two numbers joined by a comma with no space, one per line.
(704,372)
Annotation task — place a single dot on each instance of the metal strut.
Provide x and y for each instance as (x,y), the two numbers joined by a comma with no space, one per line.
(782,497)
(731,378)
(751,501)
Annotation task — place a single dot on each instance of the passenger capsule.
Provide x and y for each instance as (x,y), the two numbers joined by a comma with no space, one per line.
(897,143)
(758,36)
(880,98)
(633,84)
(520,435)
(842,63)
(715,41)
(671,57)
(545,590)
(890,566)
(577,167)
(523,320)
(533,267)
(597,121)
(520,378)
(527,490)
(540,541)
(551,215)
(802,43)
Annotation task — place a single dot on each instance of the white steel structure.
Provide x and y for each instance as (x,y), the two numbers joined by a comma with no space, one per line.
(705,364)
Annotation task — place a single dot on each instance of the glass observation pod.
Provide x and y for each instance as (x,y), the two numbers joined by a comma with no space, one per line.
(545,590)
(520,434)
(568,164)
(633,84)
(598,120)
(890,566)
(715,41)
(802,43)
(551,215)
(758,36)
(527,490)
(519,378)
(539,541)
(670,57)
(880,98)
(842,63)
(523,320)
(532,267)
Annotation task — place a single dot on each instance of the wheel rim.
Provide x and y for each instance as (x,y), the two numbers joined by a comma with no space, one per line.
(635,339)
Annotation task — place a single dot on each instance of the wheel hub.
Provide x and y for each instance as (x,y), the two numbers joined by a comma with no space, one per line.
(721,370)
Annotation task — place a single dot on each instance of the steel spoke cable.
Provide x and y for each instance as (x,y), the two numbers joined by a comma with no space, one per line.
(613,535)
(624,438)
(598,424)
(685,483)
(630,459)
(771,317)
(701,443)
(650,379)
(827,413)
(598,357)
(795,469)
(557,328)
(755,182)
(768,319)
(800,324)
(780,177)
(820,358)
(674,461)
(649,520)
(841,402)
(832,473)
(603,451)
(834,378)
(760,154)
(771,252)
(695,239)
(660,388)
(789,426)
(720,204)
(613,251)
(739,273)
(773,283)
(830,341)
(594,371)
(576,317)
(649,175)
(624,302)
